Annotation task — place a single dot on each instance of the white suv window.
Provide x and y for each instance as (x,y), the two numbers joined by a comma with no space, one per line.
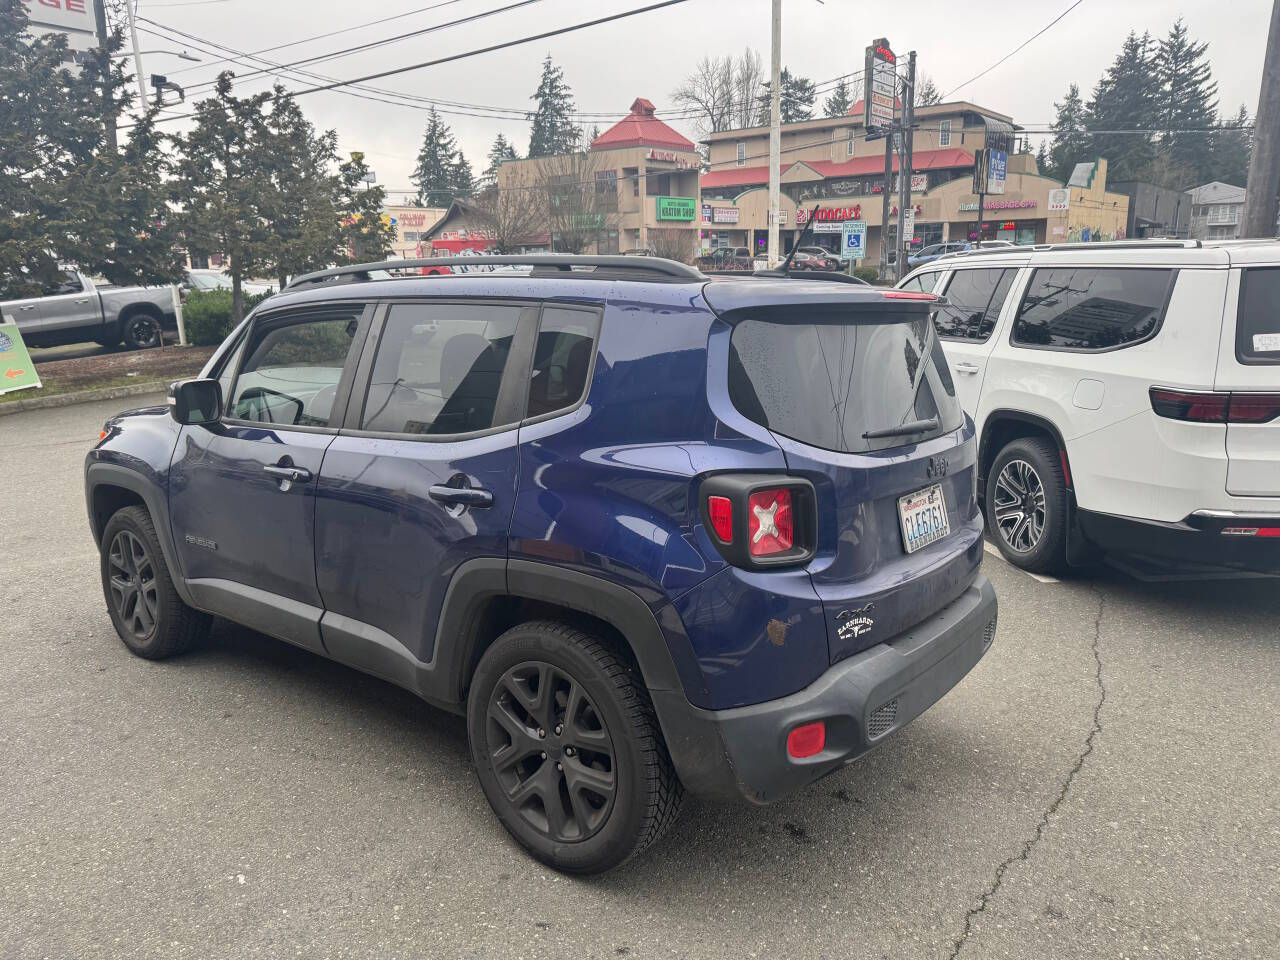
(921,282)
(974,298)
(1087,308)
(1258,317)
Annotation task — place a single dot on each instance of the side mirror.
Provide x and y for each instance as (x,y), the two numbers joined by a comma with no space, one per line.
(195,402)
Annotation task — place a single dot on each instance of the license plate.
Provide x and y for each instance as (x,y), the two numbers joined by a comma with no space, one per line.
(924,517)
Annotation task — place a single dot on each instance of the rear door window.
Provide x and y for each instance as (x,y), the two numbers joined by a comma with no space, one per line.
(1092,309)
(1258,316)
(974,299)
(562,359)
(921,282)
(831,382)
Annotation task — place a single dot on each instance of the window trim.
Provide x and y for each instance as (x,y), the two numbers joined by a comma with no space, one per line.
(300,314)
(512,395)
(1026,289)
(955,272)
(944,133)
(591,365)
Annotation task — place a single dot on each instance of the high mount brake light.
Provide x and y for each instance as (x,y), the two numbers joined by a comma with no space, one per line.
(907,295)
(1207,407)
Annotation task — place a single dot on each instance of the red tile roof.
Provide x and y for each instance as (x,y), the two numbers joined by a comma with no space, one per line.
(641,128)
(859,167)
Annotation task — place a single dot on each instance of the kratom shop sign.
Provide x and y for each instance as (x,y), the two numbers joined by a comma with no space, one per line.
(677,208)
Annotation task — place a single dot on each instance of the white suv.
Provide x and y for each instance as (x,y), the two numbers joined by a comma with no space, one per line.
(1126,396)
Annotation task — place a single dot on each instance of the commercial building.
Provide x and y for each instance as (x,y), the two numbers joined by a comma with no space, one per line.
(1217,210)
(411,223)
(635,188)
(829,164)
(1155,211)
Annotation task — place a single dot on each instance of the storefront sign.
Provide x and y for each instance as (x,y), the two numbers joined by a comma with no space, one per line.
(880,88)
(997,170)
(76,19)
(706,213)
(1059,200)
(669,156)
(411,219)
(677,208)
(998,205)
(724,214)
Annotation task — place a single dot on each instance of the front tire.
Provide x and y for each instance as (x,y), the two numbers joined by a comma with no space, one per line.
(141,331)
(568,750)
(1026,505)
(145,608)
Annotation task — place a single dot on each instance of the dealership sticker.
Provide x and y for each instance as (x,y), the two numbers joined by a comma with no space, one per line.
(1266,342)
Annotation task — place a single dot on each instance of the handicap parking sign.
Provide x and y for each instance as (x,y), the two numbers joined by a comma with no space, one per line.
(853,236)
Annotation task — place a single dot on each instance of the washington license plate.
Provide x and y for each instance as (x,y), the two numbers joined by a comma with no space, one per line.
(924,517)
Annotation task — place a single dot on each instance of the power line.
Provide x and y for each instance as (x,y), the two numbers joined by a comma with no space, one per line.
(1015,49)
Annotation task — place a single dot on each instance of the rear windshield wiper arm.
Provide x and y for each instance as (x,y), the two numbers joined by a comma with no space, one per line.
(903,429)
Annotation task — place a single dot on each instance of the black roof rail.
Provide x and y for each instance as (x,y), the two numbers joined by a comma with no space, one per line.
(544,265)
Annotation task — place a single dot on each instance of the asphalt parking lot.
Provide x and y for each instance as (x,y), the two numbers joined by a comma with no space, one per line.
(1105,784)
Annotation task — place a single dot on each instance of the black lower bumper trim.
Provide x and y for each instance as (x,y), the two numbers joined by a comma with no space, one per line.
(1194,545)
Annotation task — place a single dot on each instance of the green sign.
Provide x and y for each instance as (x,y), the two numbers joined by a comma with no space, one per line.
(17,372)
(677,208)
(586,221)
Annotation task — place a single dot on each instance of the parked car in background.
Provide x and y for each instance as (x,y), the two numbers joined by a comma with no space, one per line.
(1126,396)
(935,250)
(217,280)
(74,309)
(814,261)
(728,258)
(607,513)
(841,262)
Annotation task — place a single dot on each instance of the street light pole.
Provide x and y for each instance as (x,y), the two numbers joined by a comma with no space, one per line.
(137,57)
(775,133)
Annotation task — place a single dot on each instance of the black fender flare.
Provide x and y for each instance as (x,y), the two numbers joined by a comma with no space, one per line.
(99,474)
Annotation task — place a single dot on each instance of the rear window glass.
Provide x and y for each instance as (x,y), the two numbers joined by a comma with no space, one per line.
(830,383)
(561,359)
(1086,308)
(1258,317)
(974,299)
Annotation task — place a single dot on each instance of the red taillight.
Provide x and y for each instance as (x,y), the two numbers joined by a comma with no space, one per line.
(907,295)
(1197,407)
(770,522)
(1251,532)
(807,740)
(720,512)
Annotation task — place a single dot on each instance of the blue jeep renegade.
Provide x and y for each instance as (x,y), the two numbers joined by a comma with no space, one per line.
(650,531)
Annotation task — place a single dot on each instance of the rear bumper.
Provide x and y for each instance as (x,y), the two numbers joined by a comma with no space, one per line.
(1196,544)
(742,753)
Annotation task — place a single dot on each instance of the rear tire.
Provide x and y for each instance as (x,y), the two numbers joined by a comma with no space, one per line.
(1026,505)
(145,608)
(141,331)
(568,750)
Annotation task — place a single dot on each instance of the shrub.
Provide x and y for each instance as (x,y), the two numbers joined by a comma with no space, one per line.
(207,315)
(869,274)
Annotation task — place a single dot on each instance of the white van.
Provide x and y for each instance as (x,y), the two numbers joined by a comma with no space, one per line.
(1126,396)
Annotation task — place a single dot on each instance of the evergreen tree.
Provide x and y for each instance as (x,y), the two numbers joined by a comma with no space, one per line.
(365,237)
(795,103)
(838,104)
(1070,144)
(1126,98)
(1232,147)
(927,92)
(1042,158)
(464,181)
(498,153)
(554,131)
(1186,101)
(437,170)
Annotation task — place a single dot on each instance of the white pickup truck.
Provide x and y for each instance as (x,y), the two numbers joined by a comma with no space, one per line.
(73,310)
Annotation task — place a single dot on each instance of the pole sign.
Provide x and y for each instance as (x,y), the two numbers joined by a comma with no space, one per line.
(76,19)
(880,86)
(853,240)
(997,169)
(17,372)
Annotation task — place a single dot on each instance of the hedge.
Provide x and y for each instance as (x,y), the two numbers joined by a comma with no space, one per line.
(207,315)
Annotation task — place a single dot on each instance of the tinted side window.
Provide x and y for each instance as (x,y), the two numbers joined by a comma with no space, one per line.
(65,283)
(1086,308)
(1258,316)
(974,299)
(921,283)
(439,368)
(562,359)
(291,370)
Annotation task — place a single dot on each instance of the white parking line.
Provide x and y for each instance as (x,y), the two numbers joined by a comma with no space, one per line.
(991,549)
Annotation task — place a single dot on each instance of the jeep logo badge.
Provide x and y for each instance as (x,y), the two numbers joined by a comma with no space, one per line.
(937,467)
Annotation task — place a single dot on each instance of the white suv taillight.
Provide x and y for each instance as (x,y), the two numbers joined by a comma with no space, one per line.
(1209,407)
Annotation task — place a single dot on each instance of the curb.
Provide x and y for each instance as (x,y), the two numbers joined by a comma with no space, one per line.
(83,396)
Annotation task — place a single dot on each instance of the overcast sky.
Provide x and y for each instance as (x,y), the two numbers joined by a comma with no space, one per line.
(647,55)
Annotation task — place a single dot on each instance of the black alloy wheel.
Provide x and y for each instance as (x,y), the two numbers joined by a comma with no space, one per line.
(551,751)
(134,590)
(142,331)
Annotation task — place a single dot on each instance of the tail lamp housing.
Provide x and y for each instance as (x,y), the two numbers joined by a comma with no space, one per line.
(760,520)
(1194,406)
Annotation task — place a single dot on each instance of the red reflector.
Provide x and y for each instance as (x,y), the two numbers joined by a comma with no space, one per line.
(1066,470)
(1253,407)
(1188,405)
(807,740)
(770,525)
(1251,531)
(720,510)
(907,295)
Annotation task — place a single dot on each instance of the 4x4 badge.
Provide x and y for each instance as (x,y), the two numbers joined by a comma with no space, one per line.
(855,622)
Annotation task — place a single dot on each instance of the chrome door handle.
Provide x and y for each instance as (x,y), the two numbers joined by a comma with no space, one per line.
(294,474)
(81,301)
(460,496)
(967,368)
(27,307)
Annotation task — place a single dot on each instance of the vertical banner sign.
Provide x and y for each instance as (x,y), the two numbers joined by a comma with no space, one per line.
(880,86)
(17,372)
(997,168)
(853,245)
(979,171)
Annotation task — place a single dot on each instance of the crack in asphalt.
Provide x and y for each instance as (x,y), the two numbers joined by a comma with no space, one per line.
(1029,844)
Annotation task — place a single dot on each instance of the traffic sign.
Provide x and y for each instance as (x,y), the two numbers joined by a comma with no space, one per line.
(853,239)
(17,372)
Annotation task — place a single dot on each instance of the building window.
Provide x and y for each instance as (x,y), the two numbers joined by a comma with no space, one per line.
(848,149)
(411,236)
(607,242)
(944,133)
(742,153)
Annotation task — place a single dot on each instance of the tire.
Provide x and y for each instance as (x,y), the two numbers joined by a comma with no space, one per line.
(1030,465)
(145,609)
(141,331)
(602,735)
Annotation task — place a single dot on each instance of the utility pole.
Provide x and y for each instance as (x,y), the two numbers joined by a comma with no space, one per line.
(104,65)
(1264,165)
(885,193)
(137,57)
(904,163)
(775,133)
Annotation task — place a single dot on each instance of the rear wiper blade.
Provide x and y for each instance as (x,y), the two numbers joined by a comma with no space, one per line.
(903,429)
